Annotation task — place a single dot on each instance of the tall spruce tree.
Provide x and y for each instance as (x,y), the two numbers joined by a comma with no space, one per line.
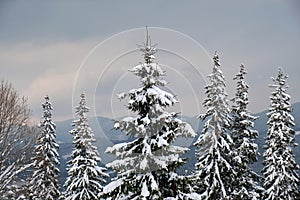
(280,168)
(44,182)
(146,166)
(246,150)
(213,174)
(85,177)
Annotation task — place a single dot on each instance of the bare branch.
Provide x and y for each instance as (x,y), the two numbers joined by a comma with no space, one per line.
(16,135)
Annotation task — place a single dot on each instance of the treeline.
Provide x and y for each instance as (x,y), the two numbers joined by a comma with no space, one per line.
(146,167)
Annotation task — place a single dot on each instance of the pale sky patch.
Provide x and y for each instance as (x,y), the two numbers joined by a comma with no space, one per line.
(43,46)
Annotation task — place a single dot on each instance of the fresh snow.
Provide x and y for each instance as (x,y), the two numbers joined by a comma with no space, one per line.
(281,179)
(213,147)
(85,177)
(144,165)
(112,186)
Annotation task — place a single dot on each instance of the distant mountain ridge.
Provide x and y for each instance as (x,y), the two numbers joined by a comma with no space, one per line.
(106,136)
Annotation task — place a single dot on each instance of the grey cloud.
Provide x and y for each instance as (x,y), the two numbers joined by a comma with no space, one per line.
(262,35)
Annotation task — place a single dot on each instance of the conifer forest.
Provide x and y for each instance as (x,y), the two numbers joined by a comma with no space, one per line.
(146,167)
(149,100)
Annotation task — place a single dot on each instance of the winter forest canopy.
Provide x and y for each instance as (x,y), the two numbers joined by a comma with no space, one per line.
(149,165)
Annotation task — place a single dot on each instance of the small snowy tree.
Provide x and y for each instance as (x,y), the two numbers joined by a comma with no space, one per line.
(280,168)
(146,166)
(85,177)
(213,174)
(243,136)
(44,182)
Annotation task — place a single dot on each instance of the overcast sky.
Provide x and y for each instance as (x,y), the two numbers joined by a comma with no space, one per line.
(63,48)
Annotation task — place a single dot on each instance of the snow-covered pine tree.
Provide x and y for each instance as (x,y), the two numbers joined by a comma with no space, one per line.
(85,177)
(44,182)
(146,166)
(280,168)
(214,173)
(246,150)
